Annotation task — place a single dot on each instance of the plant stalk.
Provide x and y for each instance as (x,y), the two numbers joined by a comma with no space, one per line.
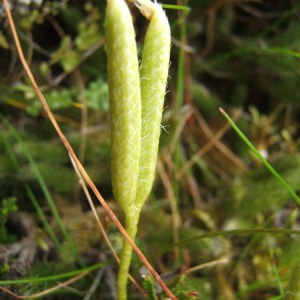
(126,254)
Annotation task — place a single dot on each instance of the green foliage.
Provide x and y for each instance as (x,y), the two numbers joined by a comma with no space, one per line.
(47,275)
(4,269)
(263,160)
(88,29)
(181,292)
(3,41)
(96,95)
(266,193)
(148,284)
(66,56)
(293,289)
(178,288)
(70,52)
(205,99)
(30,13)
(8,205)
(63,98)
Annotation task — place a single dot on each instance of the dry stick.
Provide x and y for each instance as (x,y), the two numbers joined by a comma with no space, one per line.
(75,159)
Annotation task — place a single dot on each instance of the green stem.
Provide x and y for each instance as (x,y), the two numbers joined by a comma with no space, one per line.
(126,254)
(181,71)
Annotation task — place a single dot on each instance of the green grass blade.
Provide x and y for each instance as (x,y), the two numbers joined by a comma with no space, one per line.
(181,71)
(54,277)
(177,7)
(260,156)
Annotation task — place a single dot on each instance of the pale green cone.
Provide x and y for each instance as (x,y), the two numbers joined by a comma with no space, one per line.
(133,166)
(154,75)
(125,102)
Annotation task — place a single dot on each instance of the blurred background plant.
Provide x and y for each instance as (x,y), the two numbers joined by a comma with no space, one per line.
(240,55)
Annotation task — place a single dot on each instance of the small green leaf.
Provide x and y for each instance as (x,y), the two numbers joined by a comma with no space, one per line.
(89,35)
(97,95)
(70,61)
(3,41)
(293,290)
